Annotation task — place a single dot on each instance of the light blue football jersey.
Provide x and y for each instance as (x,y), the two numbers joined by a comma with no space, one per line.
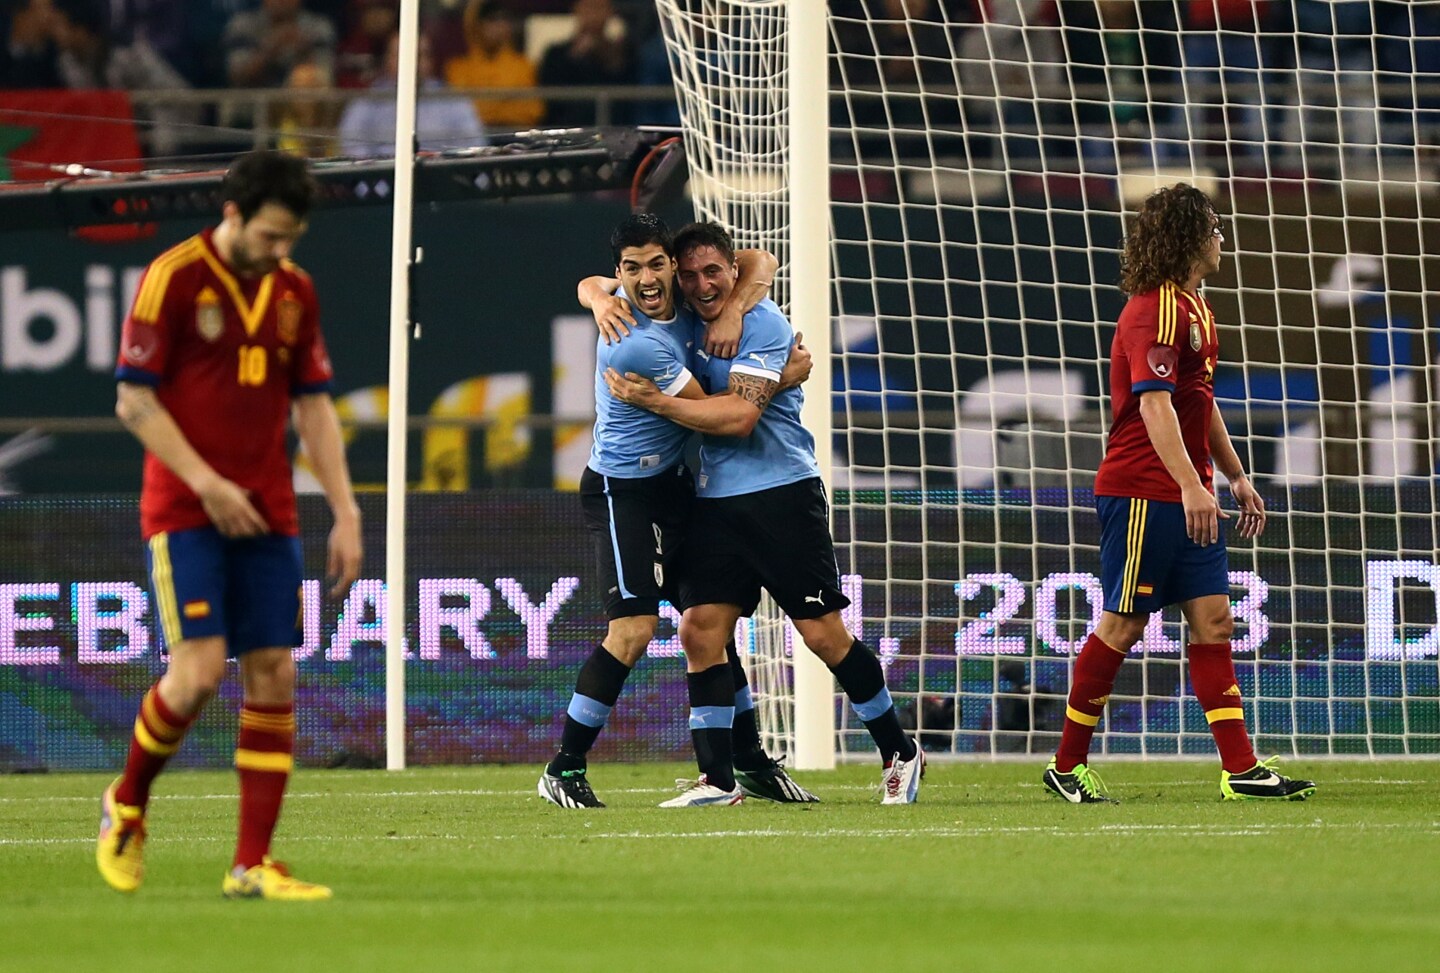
(630,442)
(779,450)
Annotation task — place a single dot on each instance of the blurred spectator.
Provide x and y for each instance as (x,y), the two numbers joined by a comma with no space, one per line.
(495,61)
(361,54)
(1007,61)
(1107,68)
(900,67)
(652,68)
(1335,100)
(588,57)
(305,126)
(263,46)
(1226,44)
(89,60)
(164,25)
(28,57)
(206,21)
(367,127)
(443,21)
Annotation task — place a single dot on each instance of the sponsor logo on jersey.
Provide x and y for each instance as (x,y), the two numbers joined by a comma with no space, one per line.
(209,319)
(1232,691)
(1100,702)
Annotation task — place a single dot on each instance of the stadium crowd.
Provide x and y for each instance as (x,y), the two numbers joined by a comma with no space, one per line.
(1140,71)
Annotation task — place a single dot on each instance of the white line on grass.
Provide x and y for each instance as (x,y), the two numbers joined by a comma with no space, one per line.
(530,791)
(1196,830)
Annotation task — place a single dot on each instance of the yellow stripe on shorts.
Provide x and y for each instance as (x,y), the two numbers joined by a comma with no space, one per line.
(164,577)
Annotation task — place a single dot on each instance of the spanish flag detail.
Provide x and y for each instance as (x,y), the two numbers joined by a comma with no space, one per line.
(197,609)
(1144,589)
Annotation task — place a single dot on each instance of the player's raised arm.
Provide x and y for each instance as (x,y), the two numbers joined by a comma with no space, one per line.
(612,314)
(756,276)
(226,504)
(318,426)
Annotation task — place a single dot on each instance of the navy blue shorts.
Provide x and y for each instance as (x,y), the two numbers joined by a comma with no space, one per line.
(777,539)
(246,589)
(1147,561)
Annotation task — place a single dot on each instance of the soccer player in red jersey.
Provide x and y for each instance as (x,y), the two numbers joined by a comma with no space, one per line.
(222,342)
(1161,541)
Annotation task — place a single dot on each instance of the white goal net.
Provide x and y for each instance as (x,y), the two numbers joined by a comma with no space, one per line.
(984,157)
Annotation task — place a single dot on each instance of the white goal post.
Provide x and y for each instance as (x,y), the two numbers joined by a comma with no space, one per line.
(980,162)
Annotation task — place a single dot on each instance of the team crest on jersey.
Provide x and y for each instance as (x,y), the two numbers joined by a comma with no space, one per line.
(209,319)
(1195,341)
(287,318)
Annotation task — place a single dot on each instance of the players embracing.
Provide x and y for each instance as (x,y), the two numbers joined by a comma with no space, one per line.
(761,515)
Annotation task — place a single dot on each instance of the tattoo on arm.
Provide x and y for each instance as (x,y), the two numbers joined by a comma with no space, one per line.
(753,389)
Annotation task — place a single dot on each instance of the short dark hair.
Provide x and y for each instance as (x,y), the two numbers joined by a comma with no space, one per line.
(640,230)
(266,176)
(1171,231)
(706,234)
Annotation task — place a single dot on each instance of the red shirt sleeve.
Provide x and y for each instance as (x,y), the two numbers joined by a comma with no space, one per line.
(313,372)
(1150,339)
(148,334)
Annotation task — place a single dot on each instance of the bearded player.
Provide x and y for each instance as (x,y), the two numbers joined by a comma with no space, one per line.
(222,343)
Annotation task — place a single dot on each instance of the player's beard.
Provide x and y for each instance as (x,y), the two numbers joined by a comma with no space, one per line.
(247,264)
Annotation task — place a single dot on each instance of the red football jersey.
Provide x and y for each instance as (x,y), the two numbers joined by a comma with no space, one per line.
(225,354)
(1165,340)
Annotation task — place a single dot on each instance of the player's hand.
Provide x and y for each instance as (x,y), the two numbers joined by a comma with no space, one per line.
(228,506)
(1202,514)
(612,314)
(799,365)
(1252,507)
(344,554)
(631,388)
(722,336)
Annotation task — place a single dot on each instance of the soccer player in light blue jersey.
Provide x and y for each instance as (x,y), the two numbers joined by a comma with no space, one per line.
(761,519)
(636,494)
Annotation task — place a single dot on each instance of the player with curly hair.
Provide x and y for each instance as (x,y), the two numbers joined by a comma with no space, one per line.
(1161,541)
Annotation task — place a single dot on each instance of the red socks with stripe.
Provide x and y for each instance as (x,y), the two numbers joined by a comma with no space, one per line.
(264,756)
(1094,677)
(1212,678)
(157,735)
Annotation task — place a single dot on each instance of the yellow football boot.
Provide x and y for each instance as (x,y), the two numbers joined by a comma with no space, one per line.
(120,849)
(271,880)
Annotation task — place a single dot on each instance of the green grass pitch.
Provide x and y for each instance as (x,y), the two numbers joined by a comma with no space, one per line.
(443,869)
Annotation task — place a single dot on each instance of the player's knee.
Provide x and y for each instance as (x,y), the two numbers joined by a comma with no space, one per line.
(269,676)
(1121,632)
(827,637)
(1218,627)
(627,638)
(187,688)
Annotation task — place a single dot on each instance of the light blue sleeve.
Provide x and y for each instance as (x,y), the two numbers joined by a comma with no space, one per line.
(649,356)
(764,343)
